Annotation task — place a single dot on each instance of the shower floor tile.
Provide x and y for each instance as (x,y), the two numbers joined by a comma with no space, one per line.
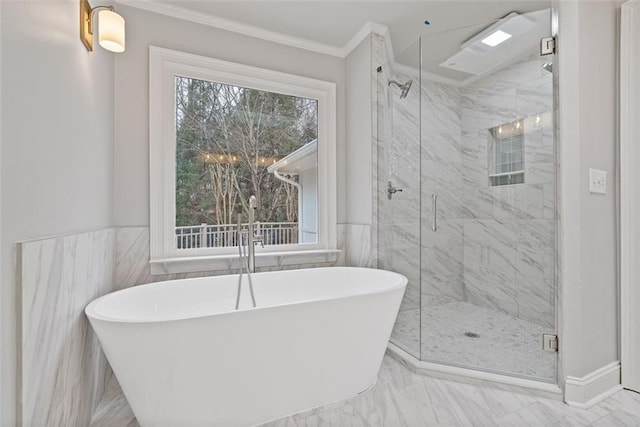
(498,343)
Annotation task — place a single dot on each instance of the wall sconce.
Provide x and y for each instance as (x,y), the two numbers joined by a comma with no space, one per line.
(110,27)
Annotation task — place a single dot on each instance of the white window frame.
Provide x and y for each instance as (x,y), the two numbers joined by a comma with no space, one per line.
(165,257)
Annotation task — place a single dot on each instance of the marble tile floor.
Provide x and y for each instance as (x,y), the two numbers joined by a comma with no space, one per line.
(403,398)
(113,409)
(505,344)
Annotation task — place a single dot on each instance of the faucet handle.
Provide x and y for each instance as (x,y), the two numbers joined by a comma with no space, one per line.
(391,190)
(257,235)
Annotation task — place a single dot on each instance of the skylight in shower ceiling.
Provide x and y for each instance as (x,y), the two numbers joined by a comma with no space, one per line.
(491,47)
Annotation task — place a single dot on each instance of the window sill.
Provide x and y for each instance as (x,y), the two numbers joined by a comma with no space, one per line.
(231,264)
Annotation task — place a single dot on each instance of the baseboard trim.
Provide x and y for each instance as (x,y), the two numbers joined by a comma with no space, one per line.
(472,376)
(594,387)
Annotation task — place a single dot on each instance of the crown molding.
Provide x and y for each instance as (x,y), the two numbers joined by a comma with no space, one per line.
(185,14)
(367,29)
(178,12)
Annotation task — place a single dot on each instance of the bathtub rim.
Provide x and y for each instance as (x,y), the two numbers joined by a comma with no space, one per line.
(90,311)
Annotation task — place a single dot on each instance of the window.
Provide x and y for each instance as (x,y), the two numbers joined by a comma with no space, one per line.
(221,132)
(506,154)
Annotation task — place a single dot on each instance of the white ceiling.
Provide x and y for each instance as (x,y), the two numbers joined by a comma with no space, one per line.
(334,23)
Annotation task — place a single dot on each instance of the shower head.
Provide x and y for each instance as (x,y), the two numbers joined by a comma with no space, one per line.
(404,87)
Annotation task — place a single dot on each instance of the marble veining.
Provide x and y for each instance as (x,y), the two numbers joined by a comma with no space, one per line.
(402,398)
(509,247)
(354,240)
(113,409)
(377,43)
(63,369)
(132,259)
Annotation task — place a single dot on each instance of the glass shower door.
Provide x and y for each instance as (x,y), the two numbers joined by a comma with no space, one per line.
(398,185)
(488,198)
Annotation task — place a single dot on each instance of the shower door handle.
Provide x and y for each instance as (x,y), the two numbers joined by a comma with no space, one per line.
(434,206)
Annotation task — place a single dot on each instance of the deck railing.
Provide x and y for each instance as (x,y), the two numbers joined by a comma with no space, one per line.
(224,235)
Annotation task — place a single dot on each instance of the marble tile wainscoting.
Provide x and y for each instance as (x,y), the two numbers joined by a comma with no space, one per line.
(132,255)
(354,242)
(63,370)
(132,260)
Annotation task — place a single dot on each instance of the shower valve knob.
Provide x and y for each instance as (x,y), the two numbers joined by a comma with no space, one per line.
(391,190)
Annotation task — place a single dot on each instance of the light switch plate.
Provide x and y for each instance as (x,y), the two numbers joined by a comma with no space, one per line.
(597,181)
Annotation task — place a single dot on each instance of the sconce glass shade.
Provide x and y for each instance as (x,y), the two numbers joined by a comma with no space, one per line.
(111,31)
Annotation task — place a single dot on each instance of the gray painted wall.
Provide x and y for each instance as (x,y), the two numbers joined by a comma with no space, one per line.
(57,141)
(588,139)
(131,183)
(2,269)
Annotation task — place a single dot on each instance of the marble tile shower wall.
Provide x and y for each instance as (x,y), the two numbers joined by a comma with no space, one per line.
(442,176)
(398,219)
(403,171)
(434,269)
(494,246)
(377,59)
(509,231)
(63,370)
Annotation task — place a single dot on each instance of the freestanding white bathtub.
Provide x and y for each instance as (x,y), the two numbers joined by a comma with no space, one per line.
(184,356)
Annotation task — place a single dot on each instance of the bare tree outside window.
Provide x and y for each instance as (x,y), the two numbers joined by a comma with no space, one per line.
(226,138)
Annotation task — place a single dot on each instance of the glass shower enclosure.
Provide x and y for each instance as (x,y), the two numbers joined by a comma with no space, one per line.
(466,194)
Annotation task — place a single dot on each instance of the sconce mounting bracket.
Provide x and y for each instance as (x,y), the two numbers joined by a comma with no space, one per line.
(86,33)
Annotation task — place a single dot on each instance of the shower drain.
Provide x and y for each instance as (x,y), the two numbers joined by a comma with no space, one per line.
(471,335)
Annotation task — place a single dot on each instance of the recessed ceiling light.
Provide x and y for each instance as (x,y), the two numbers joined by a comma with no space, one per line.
(496,38)
(477,57)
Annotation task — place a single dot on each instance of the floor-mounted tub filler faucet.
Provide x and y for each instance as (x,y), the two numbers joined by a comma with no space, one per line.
(248,259)
(255,236)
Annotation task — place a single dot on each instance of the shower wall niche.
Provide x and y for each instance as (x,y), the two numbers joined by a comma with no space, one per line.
(474,227)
